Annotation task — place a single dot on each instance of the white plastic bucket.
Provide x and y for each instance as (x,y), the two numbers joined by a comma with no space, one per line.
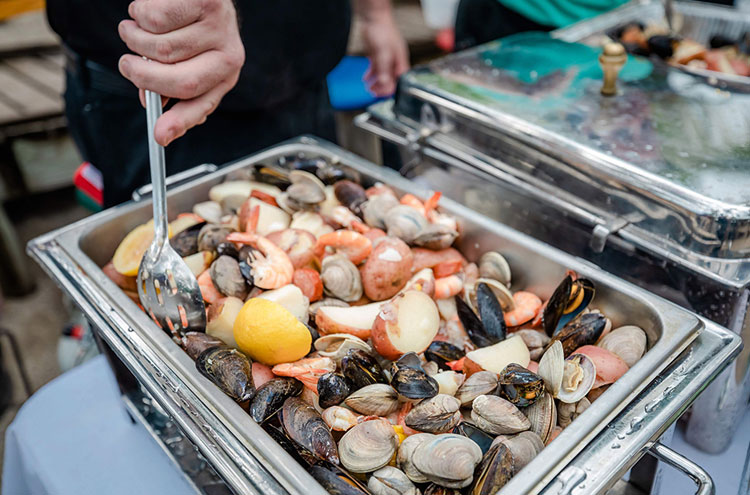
(439,14)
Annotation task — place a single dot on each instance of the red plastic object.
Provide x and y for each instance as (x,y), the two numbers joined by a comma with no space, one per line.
(446,39)
(88,179)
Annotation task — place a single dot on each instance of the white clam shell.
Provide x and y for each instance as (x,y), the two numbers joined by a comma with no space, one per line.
(497,416)
(551,368)
(405,455)
(368,446)
(448,459)
(336,345)
(578,378)
(377,399)
(494,265)
(628,343)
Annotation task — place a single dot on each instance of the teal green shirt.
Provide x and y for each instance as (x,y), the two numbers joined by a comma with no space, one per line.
(559,13)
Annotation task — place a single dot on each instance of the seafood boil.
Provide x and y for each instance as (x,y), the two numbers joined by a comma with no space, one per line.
(342,318)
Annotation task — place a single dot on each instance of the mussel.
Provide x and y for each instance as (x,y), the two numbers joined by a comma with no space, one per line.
(473,433)
(226,276)
(228,249)
(448,460)
(391,481)
(570,298)
(435,489)
(473,326)
(230,370)
(520,386)
(586,330)
(186,242)
(211,235)
(436,415)
(336,481)
(377,399)
(195,343)
(442,352)
(494,471)
(490,313)
(497,416)
(271,396)
(368,446)
(304,425)
(332,389)
(350,194)
(361,369)
(414,383)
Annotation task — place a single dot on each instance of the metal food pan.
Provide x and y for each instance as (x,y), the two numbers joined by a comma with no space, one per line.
(694,20)
(237,447)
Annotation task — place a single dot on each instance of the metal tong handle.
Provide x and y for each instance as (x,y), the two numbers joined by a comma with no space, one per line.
(669,13)
(682,463)
(158,168)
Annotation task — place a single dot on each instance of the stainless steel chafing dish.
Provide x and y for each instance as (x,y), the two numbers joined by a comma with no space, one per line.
(686,352)
(650,184)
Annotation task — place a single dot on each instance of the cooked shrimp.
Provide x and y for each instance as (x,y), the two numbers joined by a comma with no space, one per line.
(431,203)
(353,245)
(307,370)
(526,307)
(265,197)
(414,202)
(446,260)
(270,265)
(339,418)
(472,273)
(344,217)
(208,290)
(448,286)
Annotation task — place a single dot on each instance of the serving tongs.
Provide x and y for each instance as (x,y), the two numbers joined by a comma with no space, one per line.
(167,289)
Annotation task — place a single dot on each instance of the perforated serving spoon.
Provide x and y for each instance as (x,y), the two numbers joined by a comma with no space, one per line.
(168,290)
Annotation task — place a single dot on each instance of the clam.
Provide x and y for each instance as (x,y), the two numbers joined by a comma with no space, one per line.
(448,381)
(339,418)
(405,456)
(271,396)
(494,471)
(350,194)
(448,460)
(475,434)
(336,345)
(493,265)
(609,367)
(435,489)
(497,416)
(568,301)
(520,386)
(306,189)
(586,330)
(304,425)
(535,340)
(405,223)
(542,415)
(376,208)
(186,241)
(566,413)
(209,211)
(436,415)
(368,446)
(501,292)
(628,343)
(341,278)
(432,369)
(377,400)
(414,383)
(211,236)
(442,352)
(479,383)
(579,374)
(524,447)
(332,390)
(436,236)
(551,367)
(391,481)
(361,369)
(226,276)
(490,312)
(336,481)
(195,343)
(230,370)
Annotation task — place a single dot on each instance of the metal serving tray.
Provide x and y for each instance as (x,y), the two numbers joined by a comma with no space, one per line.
(697,21)
(248,459)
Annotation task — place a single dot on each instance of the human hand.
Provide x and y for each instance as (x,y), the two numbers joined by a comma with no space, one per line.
(194,54)
(386,49)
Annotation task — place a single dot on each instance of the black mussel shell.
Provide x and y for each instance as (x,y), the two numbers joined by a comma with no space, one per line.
(520,386)
(300,454)
(211,236)
(303,424)
(227,249)
(230,370)
(495,470)
(271,175)
(661,46)
(409,360)
(414,384)
(247,272)
(443,352)
(720,41)
(185,243)
(336,481)
(195,343)
(332,390)
(227,277)
(618,31)
(586,330)
(472,324)
(568,301)
(350,194)
(361,369)
(270,397)
(330,174)
(491,313)
(471,432)
(435,489)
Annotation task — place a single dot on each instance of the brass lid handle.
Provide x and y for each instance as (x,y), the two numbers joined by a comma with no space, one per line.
(612,58)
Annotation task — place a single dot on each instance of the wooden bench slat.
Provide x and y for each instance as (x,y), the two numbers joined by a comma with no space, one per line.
(44,74)
(8,114)
(28,100)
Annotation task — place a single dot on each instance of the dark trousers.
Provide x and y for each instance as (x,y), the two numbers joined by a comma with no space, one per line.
(108,124)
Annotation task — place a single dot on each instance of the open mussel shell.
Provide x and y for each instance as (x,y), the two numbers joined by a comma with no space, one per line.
(551,367)
(494,471)
(472,324)
(501,292)
(414,383)
(628,343)
(186,242)
(579,374)
(586,330)
(368,446)
(523,447)
(479,383)
(497,416)
(271,396)
(568,301)
(566,413)
(494,265)
(336,481)
(336,345)
(408,360)
(303,424)
(195,343)
(520,386)
(442,352)
(230,370)
(391,481)
(542,415)
(332,389)
(377,399)
(227,278)
(361,369)
(300,454)
(436,415)
(475,434)
(448,460)
(490,312)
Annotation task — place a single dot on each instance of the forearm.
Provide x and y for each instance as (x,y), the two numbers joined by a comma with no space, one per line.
(370,10)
